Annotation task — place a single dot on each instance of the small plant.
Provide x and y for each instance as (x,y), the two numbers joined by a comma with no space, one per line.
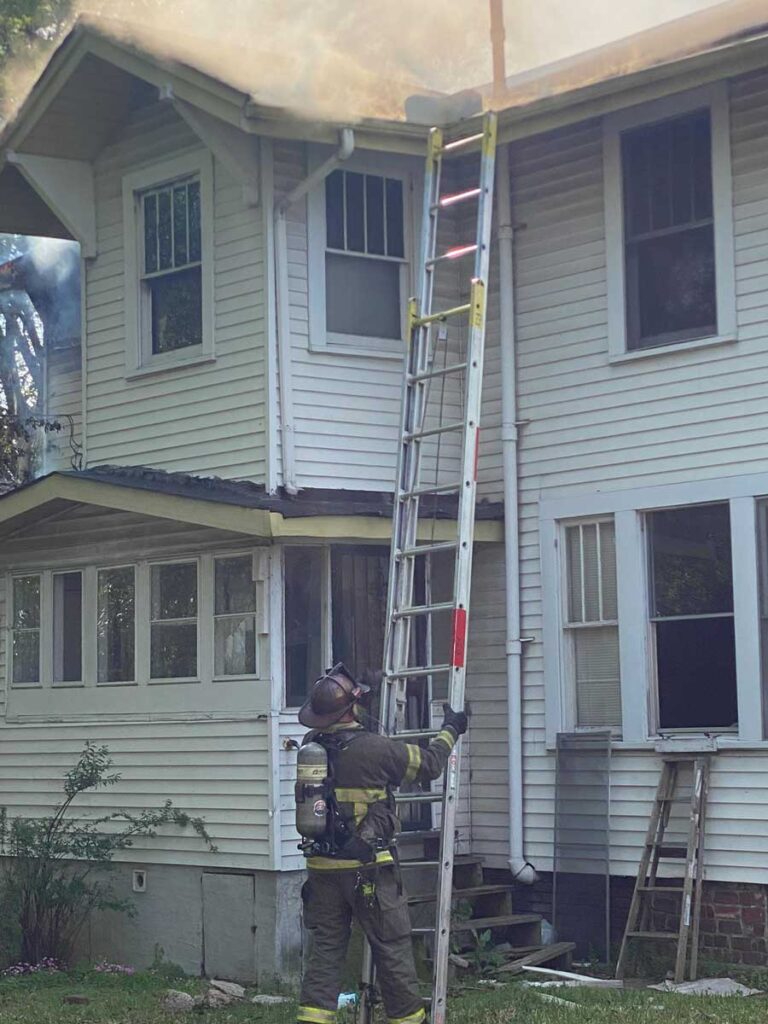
(484,958)
(104,967)
(46,966)
(53,872)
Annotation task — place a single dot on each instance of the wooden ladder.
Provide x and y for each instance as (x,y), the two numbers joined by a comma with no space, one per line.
(655,850)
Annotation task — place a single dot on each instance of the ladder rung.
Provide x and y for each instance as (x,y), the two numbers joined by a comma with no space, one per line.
(672,852)
(423,609)
(418,798)
(442,372)
(420,492)
(435,318)
(427,549)
(415,734)
(456,197)
(653,935)
(453,254)
(468,140)
(418,670)
(674,890)
(446,428)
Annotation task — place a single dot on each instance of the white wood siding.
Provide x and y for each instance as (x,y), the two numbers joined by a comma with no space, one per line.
(680,416)
(205,746)
(63,403)
(206,419)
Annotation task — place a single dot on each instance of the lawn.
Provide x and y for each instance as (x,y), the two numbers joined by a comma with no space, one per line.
(136,1000)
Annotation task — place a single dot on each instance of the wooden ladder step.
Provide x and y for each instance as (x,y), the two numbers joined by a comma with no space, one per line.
(653,935)
(483,923)
(541,955)
(471,893)
(670,890)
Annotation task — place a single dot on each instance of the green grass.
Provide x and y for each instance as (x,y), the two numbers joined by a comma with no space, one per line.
(136,999)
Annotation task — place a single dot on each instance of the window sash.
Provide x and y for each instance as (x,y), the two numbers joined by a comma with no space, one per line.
(102,662)
(26,631)
(367,251)
(159,625)
(175,264)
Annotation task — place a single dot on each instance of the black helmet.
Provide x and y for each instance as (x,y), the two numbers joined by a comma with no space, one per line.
(331,696)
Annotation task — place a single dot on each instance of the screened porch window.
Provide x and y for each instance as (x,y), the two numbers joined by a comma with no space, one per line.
(234,617)
(692,616)
(669,241)
(592,632)
(67,627)
(26,629)
(116,625)
(173,621)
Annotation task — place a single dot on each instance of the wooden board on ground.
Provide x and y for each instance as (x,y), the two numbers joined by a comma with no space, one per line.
(543,955)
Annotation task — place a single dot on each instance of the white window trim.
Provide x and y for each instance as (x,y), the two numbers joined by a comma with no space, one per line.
(628,508)
(715,97)
(139,360)
(321,340)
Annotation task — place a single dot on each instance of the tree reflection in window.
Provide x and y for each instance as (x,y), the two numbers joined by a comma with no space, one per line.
(173,643)
(116,625)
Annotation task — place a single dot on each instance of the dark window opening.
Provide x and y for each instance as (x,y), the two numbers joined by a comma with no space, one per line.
(304,600)
(692,616)
(67,627)
(669,231)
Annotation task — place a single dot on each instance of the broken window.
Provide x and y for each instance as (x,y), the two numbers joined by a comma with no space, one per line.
(116,625)
(692,616)
(26,629)
(67,627)
(365,254)
(173,621)
(591,623)
(669,238)
(172,265)
(305,601)
(234,617)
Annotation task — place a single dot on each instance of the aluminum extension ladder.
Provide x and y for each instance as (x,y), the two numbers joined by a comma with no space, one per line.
(689,892)
(427,332)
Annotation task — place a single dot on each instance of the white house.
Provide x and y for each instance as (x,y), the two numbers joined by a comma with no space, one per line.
(235,396)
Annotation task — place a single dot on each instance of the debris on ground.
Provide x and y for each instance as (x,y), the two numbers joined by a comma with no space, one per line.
(346,999)
(229,988)
(538,955)
(585,980)
(76,1000)
(269,1000)
(707,987)
(556,1000)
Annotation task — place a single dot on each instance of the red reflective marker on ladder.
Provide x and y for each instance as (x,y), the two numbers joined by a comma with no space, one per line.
(459,637)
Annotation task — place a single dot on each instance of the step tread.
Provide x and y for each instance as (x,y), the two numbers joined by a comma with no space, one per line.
(469,893)
(653,935)
(481,923)
(461,860)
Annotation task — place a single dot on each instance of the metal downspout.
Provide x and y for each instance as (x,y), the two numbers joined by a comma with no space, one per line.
(283,309)
(521,870)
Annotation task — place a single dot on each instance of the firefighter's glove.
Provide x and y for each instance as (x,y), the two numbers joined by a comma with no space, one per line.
(456,721)
(356,848)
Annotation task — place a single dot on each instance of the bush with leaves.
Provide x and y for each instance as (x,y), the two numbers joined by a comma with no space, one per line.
(54,871)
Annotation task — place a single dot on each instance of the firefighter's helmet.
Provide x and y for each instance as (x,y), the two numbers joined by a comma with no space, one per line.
(331,696)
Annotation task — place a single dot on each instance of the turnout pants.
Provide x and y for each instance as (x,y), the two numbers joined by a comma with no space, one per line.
(331,900)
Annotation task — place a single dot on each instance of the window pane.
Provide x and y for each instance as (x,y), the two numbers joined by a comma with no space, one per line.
(304,648)
(195,243)
(591,574)
(374,211)
(608,566)
(362,296)
(173,650)
(334,209)
(671,289)
(235,645)
(164,229)
(115,625)
(177,310)
(150,233)
(691,561)
(26,656)
(67,627)
(26,602)
(696,666)
(355,212)
(598,693)
(174,591)
(395,241)
(235,587)
(180,256)
(573,547)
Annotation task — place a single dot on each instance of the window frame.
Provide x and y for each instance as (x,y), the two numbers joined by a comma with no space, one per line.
(94,639)
(58,684)
(42,646)
(148,622)
(259,614)
(384,165)
(140,360)
(715,98)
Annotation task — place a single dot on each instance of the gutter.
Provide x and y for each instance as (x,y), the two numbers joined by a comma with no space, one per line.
(522,870)
(283,310)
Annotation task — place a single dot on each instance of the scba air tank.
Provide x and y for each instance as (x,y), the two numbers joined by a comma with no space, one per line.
(311,773)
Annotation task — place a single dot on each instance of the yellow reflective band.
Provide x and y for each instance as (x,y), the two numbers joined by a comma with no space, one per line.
(446,736)
(412,1018)
(359,796)
(335,864)
(414,762)
(315,1015)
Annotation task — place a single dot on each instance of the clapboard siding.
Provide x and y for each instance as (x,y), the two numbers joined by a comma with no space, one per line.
(214,770)
(63,404)
(207,419)
(594,426)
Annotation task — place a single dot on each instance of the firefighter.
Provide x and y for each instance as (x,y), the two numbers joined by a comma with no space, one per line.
(353,873)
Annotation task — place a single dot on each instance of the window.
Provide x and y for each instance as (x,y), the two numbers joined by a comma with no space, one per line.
(173,621)
(692,616)
(234,617)
(591,623)
(67,627)
(26,629)
(172,262)
(116,625)
(169,263)
(669,222)
(305,648)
